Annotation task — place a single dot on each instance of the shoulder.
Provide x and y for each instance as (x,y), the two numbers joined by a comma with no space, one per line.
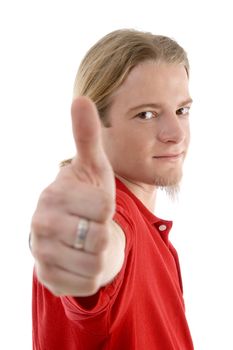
(125,203)
(126,215)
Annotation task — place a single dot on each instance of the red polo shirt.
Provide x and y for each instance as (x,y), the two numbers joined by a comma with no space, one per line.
(142,308)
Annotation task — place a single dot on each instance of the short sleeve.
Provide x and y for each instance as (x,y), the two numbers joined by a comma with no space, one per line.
(86,312)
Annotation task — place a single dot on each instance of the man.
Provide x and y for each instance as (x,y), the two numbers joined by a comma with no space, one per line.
(106,275)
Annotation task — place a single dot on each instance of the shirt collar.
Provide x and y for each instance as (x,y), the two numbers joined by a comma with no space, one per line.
(154,220)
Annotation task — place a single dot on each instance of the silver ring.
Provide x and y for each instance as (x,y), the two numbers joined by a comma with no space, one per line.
(81,233)
(30,241)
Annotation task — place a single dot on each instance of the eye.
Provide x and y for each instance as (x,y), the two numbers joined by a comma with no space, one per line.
(183,111)
(147,115)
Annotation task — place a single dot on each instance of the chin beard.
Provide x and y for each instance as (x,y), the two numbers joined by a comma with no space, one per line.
(170,186)
(171,191)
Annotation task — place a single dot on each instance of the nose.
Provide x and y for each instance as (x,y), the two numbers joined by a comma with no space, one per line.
(171,128)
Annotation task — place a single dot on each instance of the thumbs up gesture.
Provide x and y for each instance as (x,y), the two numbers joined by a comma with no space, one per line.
(76,245)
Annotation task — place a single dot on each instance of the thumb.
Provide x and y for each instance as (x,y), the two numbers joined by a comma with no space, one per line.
(87,135)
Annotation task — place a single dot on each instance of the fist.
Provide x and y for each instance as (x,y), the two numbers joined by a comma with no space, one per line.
(72,225)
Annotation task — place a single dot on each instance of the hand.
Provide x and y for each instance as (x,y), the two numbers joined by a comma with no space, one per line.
(83,189)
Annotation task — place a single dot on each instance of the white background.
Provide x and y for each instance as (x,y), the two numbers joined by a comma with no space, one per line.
(41,45)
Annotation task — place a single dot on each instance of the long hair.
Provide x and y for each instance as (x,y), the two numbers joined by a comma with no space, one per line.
(107,64)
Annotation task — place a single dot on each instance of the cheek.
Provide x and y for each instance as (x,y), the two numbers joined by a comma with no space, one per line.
(186,131)
(122,143)
(188,134)
(135,142)
(116,142)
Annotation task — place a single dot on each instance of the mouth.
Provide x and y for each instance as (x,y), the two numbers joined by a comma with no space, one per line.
(170,157)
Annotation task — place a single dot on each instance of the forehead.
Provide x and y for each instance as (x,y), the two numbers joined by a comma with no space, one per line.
(153,82)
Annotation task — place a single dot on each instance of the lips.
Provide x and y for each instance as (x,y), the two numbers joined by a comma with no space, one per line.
(169,156)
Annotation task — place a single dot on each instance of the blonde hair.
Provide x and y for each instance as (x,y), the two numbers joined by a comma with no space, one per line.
(107,64)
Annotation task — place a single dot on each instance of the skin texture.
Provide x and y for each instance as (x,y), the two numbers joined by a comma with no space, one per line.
(140,147)
(160,127)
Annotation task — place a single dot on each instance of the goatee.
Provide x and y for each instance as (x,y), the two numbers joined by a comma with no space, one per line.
(171,191)
(170,186)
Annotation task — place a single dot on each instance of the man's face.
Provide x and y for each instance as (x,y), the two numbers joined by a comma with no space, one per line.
(149,116)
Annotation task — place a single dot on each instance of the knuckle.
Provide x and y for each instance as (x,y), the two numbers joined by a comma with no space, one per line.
(50,277)
(44,223)
(47,196)
(45,256)
(52,196)
(42,253)
(49,222)
(36,223)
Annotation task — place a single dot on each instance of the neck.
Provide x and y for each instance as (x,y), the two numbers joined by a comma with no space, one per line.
(144,192)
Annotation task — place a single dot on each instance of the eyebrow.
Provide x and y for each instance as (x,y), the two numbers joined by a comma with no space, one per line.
(157,105)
